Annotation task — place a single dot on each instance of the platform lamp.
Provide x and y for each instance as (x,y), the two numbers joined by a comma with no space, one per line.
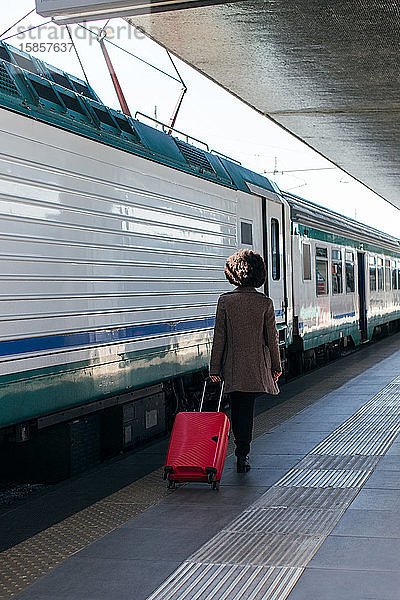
(76,11)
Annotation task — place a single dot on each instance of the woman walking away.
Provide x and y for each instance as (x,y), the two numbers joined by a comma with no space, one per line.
(245,350)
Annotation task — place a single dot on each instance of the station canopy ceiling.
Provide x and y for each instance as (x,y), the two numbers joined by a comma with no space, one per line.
(326,70)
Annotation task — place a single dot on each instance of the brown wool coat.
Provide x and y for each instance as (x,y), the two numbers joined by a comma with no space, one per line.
(245,347)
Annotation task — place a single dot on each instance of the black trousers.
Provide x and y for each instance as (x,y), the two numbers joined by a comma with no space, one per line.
(242,408)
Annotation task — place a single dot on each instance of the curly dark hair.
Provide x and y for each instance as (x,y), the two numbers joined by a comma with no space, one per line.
(246,268)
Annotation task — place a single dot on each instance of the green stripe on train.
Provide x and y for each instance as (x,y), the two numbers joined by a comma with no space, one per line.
(333,333)
(340,240)
(32,394)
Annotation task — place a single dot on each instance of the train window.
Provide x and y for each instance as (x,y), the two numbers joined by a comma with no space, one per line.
(45,91)
(337,275)
(350,281)
(72,103)
(321,271)
(246,233)
(25,62)
(124,125)
(394,277)
(61,79)
(387,275)
(380,274)
(4,54)
(103,116)
(306,262)
(275,251)
(398,276)
(372,274)
(83,89)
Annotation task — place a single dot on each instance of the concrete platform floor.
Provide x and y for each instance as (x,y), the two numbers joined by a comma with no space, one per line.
(357,556)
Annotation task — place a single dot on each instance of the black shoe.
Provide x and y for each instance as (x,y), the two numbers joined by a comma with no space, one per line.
(243,465)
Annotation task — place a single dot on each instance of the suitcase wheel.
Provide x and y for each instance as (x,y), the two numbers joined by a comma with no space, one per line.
(215,485)
(167,470)
(171,485)
(211,474)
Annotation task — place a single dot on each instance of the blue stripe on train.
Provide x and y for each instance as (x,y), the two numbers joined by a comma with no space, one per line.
(103,336)
(350,314)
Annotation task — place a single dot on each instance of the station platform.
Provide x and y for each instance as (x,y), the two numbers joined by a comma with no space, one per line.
(316,517)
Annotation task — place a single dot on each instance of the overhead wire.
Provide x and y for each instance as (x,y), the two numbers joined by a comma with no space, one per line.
(16,22)
(77,53)
(25,30)
(176,69)
(131,54)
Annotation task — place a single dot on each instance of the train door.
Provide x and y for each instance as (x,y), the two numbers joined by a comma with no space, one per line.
(275,256)
(261,227)
(361,296)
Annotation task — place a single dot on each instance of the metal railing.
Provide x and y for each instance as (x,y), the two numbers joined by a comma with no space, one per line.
(168,129)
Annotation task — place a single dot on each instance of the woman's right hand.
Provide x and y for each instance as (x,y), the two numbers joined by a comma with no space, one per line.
(215,378)
(276,375)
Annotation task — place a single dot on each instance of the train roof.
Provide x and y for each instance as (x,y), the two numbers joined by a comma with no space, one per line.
(318,217)
(36,89)
(30,86)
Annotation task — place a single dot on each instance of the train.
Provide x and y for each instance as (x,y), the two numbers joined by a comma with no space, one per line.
(114,235)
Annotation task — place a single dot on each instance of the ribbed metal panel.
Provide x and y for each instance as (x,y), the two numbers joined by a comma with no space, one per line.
(367,443)
(306,521)
(387,396)
(334,478)
(376,417)
(371,429)
(218,582)
(233,548)
(323,498)
(320,461)
(105,241)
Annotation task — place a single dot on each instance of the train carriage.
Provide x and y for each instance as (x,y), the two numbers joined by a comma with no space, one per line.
(338,298)
(114,235)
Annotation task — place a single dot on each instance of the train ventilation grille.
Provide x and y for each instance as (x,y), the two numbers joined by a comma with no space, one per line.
(195,157)
(6,83)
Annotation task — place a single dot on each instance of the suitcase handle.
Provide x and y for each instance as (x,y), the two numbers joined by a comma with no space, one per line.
(207,380)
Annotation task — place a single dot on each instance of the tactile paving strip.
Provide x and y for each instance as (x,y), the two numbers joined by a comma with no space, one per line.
(263,549)
(372,443)
(316,498)
(368,432)
(298,501)
(305,521)
(354,463)
(228,582)
(317,478)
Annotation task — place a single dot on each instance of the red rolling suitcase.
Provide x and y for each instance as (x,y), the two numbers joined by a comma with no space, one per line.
(198,445)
